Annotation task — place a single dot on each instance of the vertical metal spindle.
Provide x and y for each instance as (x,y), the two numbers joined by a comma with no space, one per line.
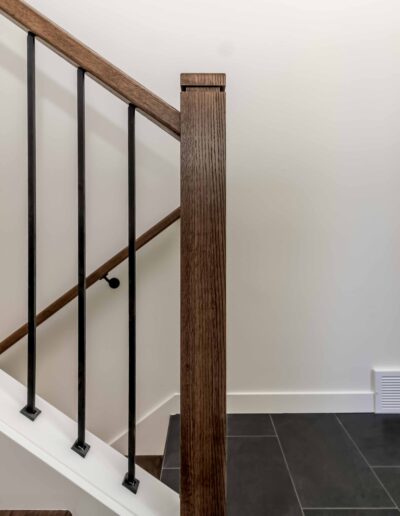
(80,446)
(30,410)
(130,481)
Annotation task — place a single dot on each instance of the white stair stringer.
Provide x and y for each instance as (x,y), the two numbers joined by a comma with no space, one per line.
(100,474)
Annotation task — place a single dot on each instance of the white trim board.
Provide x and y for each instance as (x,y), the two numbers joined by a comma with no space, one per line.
(100,474)
(152,428)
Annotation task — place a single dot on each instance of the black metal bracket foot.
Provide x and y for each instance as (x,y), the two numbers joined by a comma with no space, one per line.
(30,413)
(132,485)
(80,448)
(112,282)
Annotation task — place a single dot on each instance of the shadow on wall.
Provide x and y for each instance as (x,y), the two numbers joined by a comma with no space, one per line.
(57,338)
(152,165)
(66,101)
(107,326)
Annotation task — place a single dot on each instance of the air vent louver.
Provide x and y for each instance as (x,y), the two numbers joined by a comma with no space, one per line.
(387,392)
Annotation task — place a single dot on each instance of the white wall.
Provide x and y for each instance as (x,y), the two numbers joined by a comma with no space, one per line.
(313,188)
(158,263)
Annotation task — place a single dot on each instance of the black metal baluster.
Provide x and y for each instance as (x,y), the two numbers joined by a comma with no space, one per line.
(130,481)
(30,410)
(80,446)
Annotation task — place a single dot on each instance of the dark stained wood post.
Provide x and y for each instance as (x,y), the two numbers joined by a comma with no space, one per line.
(203,283)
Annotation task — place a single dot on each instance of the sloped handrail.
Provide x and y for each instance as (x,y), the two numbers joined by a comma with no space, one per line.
(95,276)
(201,128)
(101,70)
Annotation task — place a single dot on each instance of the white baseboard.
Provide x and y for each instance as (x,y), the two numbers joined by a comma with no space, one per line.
(152,428)
(292,402)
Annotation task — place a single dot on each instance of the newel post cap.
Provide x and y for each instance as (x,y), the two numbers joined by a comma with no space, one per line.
(203,80)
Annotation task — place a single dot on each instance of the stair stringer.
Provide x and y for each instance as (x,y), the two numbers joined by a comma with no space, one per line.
(100,474)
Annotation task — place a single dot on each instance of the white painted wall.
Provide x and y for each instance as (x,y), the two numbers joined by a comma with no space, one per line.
(313,189)
(158,263)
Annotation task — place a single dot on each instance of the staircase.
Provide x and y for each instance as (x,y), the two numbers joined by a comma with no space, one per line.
(105,479)
(48,446)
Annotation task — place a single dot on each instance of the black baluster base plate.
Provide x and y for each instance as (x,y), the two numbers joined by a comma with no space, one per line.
(80,448)
(132,485)
(30,413)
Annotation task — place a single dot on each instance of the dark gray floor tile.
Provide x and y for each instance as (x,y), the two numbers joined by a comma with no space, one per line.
(390,478)
(327,469)
(377,436)
(249,424)
(172,446)
(353,512)
(237,425)
(170,477)
(258,481)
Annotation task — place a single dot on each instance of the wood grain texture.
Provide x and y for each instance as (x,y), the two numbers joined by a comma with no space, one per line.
(98,68)
(150,463)
(203,80)
(203,284)
(95,276)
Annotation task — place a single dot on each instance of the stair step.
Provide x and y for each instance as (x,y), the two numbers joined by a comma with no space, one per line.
(150,463)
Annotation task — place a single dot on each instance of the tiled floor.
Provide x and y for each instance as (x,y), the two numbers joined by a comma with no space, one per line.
(306,464)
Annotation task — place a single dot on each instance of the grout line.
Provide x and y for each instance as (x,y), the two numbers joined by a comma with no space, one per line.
(393,467)
(349,508)
(367,463)
(273,426)
(287,465)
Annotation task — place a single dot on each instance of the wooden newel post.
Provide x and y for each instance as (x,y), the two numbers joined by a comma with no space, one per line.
(203,281)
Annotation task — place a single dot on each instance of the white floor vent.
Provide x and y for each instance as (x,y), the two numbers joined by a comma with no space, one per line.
(387,392)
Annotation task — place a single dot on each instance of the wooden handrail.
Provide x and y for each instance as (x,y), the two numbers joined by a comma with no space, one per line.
(101,70)
(95,276)
(201,127)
